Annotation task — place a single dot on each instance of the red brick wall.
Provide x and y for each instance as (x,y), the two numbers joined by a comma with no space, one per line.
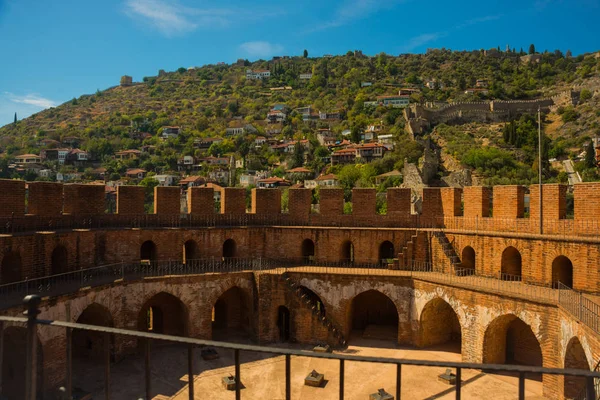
(331,202)
(233,201)
(266,202)
(587,201)
(554,199)
(45,198)
(477,201)
(84,199)
(452,202)
(432,204)
(130,200)
(364,202)
(509,201)
(12,200)
(398,202)
(299,203)
(201,201)
(167,200)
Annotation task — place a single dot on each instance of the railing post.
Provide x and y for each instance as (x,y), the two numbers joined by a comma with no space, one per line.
(32,303)
(341,379)
(69,388)
(589,388)
(288,389)
(191,371)
(106,366)
(238,383)
(458,383)
(1,351)
(147,370)
(522,385)
(398,381)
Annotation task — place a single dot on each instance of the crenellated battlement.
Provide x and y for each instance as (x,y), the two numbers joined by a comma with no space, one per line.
(468,208)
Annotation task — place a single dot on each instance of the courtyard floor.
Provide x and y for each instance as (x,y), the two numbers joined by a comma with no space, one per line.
(263,375)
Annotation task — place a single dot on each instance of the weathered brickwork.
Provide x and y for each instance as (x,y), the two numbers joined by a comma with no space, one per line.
(45,198)
(130,200)
(201,201)
(83,199)
(167,200)
(233,201)
(509,202)
(12,201)
(426,314)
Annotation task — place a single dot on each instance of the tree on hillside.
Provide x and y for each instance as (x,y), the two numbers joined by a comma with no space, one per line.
(298,156)
(305,53)
(15,118)
(569,54)
(531,49)
(590,155)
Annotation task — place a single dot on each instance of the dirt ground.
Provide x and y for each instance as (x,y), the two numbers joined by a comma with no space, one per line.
(263,375)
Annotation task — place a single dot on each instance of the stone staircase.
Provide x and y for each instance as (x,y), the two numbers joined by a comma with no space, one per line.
(324,320)
(406,255)
(448,248)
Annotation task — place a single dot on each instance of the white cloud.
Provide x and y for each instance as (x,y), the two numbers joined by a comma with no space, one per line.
(172,18)
(31,99)
(420,40)
(352,10)
(261,48)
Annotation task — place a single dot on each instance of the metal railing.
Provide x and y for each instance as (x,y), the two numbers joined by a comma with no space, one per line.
(32,322)
(572,301)
(565,228)
(577,304)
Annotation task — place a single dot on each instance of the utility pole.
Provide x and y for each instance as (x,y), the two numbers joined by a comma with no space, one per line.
(540,169)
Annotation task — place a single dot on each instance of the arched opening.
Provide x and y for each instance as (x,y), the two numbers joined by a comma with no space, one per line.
(163,313)
(347,252)
(308,250)
(11,268)
(575,358)
(386,251)
(229,248)
(89,345)
(509,340)
(59,263)
(440,326)
(13,364)
(231,315)
(562,271)
(283,323)
(468,259)
(511,264)
(373,315)
(190,251)
(148,251)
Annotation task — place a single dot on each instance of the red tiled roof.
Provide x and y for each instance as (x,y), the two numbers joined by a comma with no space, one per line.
(135,171)
(326,177)
(299,170)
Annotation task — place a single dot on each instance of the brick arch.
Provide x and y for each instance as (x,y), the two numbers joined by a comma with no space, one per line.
(11,267)
(562,271)
(375,313)
(165,312)
(347,251)
(468,258)
(229,248)
(148,250)
(228,312)
(511,264)
(439,324)
(59,259)
(308,249)
(510,340)
(575,358)
(191,250)
(87,344)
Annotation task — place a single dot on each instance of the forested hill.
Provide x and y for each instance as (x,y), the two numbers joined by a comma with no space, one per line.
(204,101)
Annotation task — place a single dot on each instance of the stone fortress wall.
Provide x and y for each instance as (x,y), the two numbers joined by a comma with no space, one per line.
(482,224)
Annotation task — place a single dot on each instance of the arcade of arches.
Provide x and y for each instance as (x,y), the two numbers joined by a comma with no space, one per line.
(163,313)
(509,340)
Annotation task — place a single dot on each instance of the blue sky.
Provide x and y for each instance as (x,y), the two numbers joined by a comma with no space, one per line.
(55,50)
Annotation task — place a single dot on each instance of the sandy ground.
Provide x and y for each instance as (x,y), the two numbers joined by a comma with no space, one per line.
(263,375)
